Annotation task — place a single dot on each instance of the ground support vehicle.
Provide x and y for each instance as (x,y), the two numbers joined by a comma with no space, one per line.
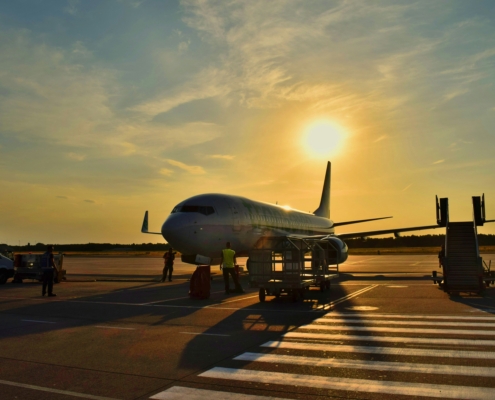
(28,266)
(6,268)
(488,275)
(290,265)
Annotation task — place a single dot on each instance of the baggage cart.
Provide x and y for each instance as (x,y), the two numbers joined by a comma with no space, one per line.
(290,265)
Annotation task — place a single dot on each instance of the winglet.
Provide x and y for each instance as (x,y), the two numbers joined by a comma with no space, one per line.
(144,228)
(324,209)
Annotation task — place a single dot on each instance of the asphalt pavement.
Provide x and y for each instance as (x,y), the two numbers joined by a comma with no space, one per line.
(382,331)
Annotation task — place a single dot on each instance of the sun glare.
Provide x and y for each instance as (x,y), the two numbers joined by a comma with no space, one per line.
(323,138)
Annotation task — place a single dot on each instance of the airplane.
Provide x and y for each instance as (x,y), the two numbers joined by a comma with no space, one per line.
(199,226)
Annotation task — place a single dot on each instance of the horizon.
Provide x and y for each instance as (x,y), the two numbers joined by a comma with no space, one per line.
(109,109)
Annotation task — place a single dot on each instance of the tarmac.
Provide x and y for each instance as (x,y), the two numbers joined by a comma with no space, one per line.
(382,331)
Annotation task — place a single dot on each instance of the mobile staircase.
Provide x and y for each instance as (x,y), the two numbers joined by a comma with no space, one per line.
(462,265)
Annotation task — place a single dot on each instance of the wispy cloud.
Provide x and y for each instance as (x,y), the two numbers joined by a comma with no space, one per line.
(407,187)
(75,156)
(192,169)
(166,171)
(89,201)
(380,138)
(222,156)
(62,197)
(71,7)
(438,162)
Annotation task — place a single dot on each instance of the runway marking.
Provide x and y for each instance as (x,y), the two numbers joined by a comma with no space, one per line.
(369,365)
(114,327)
(405,316)
(352,385)
(480,355)
(163,301)
(230,301)
(65,392)
(180,393)
(206,334)
(345,298)
(397,286)
(429,323)
(41,322)
(404,330)
(357,262)
(397,339)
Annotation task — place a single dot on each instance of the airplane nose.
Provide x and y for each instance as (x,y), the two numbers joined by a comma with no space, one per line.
(176,229)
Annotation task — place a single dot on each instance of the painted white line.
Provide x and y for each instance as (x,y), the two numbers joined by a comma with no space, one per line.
(231,301)
(163,301)
(404,330)
(64,392)
(41,322)
(181,393)
(360,261)
(345,298)
(391,322)
(205,334)
(406,316)
(114,327)
(352,385)
(396,339)
(370,365)
(397,286)
(480,355)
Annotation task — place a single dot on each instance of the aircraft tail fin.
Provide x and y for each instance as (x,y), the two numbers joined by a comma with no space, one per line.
(144,228)
(324,209)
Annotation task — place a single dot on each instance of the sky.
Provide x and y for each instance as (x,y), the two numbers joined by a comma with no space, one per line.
(110,108)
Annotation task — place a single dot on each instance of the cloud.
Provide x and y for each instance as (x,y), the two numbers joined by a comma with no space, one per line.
(192,169)
(207,83)
(407,187)
(89,201)
(71,7)
(62,197)
(380,138)
(438,162)
(166,171)
(222,156)
(75,156)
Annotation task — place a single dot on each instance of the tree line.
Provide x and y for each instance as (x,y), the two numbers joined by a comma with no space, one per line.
(402,241)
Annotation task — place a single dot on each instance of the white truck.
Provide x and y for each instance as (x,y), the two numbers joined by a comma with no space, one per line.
(6,268)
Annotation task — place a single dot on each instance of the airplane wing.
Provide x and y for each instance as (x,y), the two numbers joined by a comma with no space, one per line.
(144,228)
(358,221)
(385,231)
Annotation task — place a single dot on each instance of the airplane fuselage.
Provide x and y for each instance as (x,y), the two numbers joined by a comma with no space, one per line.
(203,224)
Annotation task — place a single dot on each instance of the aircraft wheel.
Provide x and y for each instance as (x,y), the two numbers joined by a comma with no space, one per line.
(301,293)
(262,295)
(294,296)
(3,277)
(327,285)
(322,286)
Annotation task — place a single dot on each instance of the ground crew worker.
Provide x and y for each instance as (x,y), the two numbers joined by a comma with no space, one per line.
(48,268)
(169,258)
(228,264)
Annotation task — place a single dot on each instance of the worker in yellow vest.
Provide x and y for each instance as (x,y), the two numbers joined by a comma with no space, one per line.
(228,263)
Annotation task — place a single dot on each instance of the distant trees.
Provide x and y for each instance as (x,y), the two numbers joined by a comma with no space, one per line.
(389,242)
(39,247)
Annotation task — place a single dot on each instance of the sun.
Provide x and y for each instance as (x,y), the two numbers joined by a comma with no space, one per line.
(323,138)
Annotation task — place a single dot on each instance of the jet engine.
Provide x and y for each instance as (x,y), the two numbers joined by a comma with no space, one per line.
(337,250)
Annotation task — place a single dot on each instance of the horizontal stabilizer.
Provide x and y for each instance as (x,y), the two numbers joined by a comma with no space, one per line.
(358,221)
(144,228)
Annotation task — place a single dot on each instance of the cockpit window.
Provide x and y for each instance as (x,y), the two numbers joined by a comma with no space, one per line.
(205,210)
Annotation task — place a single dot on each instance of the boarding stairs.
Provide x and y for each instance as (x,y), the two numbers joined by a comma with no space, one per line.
(462,265)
